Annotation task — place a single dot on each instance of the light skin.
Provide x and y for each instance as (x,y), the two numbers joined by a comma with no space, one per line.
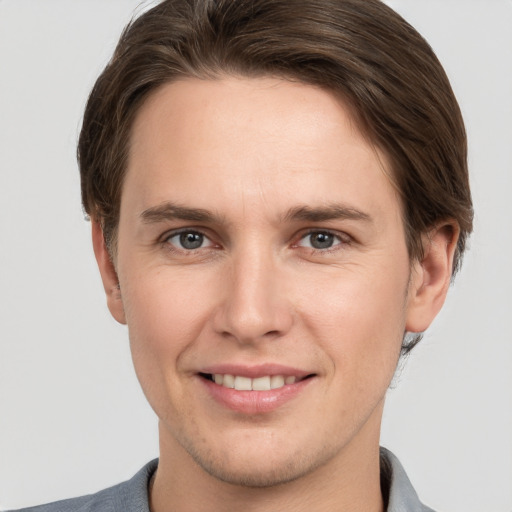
(259,235)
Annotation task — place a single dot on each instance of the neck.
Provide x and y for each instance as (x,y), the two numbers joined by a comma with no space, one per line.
(348,482)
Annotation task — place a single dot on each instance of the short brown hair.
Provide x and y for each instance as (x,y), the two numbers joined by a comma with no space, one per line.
(360,50)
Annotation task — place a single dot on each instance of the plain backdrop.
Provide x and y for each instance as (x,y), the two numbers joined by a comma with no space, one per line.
(72,417)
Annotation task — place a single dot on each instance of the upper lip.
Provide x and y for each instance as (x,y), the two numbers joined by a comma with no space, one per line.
(255,371)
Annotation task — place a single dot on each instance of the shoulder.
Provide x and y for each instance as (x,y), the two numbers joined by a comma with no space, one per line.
(93,502)
(129,496)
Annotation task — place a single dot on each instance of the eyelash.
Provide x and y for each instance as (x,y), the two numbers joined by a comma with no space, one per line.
(340,240)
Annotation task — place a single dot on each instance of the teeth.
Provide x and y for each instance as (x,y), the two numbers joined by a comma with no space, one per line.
(261,384)
(265,383)
(276,381)
(243,383)
(229,381)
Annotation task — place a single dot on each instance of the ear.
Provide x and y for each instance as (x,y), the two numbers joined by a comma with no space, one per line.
(430,277)
(108,273)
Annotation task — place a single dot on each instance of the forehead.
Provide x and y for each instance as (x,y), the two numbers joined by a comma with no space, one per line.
(265,142)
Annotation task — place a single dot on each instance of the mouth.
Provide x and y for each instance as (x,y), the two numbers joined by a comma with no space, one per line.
(262,383)
(254,389)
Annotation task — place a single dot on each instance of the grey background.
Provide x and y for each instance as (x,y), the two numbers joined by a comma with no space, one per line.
(72,417)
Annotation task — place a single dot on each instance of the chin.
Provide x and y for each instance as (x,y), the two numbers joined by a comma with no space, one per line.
(255,477)
(258,471)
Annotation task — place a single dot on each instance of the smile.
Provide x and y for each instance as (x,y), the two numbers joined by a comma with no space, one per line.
(240,383)
(257,394)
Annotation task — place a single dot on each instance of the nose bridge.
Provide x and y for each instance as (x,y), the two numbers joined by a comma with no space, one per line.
(254,303)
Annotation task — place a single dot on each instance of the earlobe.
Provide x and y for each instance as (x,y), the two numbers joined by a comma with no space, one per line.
(108,274)
(430,277)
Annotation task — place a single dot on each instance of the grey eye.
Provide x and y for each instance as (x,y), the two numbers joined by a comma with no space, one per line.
(319,240)
(189,240)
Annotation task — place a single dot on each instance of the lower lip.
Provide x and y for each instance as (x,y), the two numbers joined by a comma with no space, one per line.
(255,402)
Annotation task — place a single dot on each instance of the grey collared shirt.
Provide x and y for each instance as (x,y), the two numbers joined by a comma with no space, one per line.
(132,495)
(401,494)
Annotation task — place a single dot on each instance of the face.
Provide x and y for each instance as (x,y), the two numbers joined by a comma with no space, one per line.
(264,277)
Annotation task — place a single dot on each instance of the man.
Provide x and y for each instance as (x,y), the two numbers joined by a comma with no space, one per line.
(279,198)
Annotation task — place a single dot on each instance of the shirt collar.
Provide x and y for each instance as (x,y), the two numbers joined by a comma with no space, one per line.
(396,486)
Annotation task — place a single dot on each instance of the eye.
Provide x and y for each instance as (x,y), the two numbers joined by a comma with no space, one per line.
(320,240)
(189,240)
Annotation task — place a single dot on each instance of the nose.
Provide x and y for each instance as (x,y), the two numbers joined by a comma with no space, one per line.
(254,304)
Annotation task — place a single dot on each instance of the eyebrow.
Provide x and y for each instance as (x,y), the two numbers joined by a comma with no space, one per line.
(325,213)
(171,211)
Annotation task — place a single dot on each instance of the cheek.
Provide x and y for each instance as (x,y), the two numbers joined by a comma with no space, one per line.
(164,305)
(360,319)
(165,314)
(164,317)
